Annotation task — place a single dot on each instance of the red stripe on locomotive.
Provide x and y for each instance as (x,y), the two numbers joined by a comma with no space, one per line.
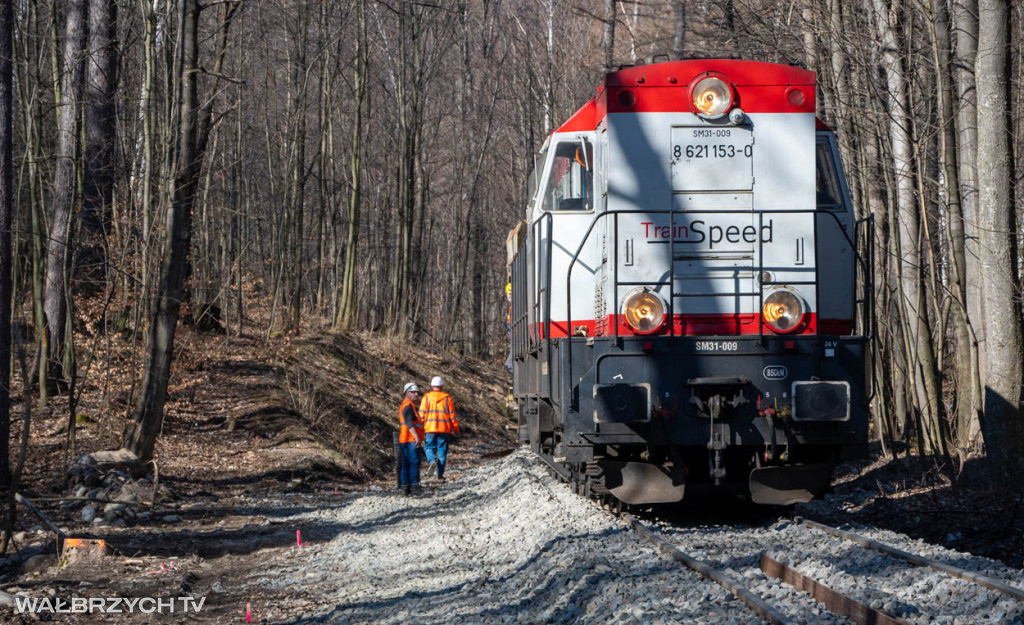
(703,325)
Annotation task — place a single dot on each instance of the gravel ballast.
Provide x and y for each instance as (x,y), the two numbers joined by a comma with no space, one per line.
(916,594)
(507,543)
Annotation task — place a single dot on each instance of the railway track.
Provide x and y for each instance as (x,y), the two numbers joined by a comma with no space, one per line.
(743,585)
(916,560)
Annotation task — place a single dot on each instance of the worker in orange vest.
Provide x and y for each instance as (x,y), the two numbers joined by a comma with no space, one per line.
(410,436)
(438,413)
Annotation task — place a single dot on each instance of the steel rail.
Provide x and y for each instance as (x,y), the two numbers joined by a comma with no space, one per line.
(769,612)
(955,571)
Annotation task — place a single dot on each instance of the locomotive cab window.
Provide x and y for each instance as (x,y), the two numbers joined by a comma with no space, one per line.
(570,185)
(826,178)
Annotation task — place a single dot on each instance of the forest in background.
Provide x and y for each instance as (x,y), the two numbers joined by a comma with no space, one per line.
(357,164)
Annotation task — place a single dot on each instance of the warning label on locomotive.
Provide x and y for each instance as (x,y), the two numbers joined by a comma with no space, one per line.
(712,159)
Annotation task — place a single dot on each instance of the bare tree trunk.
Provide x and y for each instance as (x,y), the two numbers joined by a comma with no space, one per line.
(965,31)
(30,81)
(608,36)
(810,39)
(885,365)
(839,73)
(192,130)
(678,29)
(908,222)
(968,404)
(410,185)
(1004,435)
(297,195)
(549,82)
(100,129)
(6,219)
(632,26)
(349,303)
(59,247)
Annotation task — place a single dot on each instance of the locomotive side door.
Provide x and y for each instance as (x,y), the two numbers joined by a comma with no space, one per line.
(835,235)
(566,272)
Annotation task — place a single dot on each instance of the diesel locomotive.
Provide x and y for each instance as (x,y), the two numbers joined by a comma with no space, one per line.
(691,290)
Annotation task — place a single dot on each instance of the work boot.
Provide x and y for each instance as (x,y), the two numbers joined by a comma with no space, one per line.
(417,489)
(408,490)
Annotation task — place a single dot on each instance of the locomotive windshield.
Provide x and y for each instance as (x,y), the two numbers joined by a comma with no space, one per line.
(570,179)
(827,179)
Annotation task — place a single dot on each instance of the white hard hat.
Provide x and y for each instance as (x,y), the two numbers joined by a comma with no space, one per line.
(436,381)
(411,386)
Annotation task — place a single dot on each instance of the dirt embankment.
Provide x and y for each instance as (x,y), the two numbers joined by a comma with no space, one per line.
(244,414)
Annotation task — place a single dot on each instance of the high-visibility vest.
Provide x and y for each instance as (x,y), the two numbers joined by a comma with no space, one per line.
(438,413)
(404,435)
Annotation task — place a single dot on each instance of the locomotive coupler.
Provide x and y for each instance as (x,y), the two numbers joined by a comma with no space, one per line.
(716,445)
(703,409)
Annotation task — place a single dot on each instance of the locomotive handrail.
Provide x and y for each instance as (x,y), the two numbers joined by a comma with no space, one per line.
(523,337)
(867,273)
(868,301)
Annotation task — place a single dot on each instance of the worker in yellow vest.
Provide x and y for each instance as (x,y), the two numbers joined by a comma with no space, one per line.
(410,436)
(439,422)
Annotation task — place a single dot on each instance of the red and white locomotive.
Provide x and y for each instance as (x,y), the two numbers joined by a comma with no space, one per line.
(689,307)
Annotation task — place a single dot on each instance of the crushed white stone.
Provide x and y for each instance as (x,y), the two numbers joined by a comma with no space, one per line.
(507,543)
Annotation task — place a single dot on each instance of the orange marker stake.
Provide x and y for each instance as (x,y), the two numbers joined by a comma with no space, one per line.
(248,613)
(298,537)
(335,490)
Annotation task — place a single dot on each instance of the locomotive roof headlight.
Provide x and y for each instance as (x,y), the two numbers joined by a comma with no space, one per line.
(783,311)
(644,312)
(712,97)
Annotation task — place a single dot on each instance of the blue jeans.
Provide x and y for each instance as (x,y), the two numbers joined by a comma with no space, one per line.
(436,446)
(411,466)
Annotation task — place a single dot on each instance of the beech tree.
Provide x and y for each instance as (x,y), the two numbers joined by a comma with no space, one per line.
(1004,432)
(60,247)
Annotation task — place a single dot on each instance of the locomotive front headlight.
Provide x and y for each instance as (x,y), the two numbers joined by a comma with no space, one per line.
(644,312)
(712,96)
(783,311)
